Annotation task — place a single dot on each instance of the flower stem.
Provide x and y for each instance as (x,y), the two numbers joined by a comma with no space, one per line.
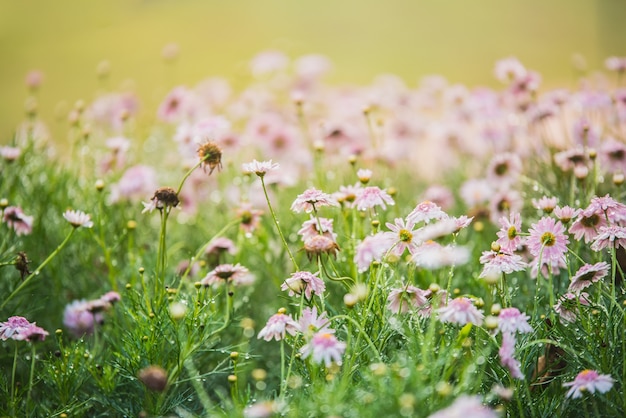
(38,269)
(13,379)
(32,375)
(282,237)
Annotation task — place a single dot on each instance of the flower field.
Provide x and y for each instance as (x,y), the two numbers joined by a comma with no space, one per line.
(299,249)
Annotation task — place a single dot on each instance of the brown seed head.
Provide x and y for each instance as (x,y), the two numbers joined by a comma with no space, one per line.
(211,155)
(154,377)
(165,197)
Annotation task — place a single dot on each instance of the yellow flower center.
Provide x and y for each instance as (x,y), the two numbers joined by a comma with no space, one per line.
(548,239)
(405,236)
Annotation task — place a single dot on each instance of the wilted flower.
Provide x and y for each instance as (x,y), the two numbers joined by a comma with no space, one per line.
(78,219)
(567,306)
(164,197)
(589,381)
(210,155)
(303,281)
(320,244)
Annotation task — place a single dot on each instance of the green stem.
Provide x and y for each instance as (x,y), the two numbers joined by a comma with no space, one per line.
(282,237)
(32,375)
(159,283)
(361,332)
(186,176)
(13,379)
(38,269)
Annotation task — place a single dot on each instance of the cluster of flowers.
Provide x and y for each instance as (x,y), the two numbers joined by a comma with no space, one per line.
(320,342)
(82,316)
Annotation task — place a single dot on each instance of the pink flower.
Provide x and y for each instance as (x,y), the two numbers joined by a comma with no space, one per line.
(501,262)
(136,182)
(507,359)
(511,320)
(426,212)
(613,236)
(431,255)
(10,153)
(16,219)
(303,281)
(589,381)
(348,194)
(78,218)
(401,235)
(504,203)
(260,168)
(79,318)
(439,195)
(509,237)
(221,245)
(372,248)
(504,169)
(615,211)
(546,204)
(567,306)
(236,274)
(617,64)
(311,200)
(13,327)
(476,192)
(588,274)
(548,240)
(310,323)
(465,407)
(509,69)
(324,348)
(364,175)
(312,227)
(276,327)
(403,299)
(250,217)
(177,105)
(460,311)
(586,225)
(565,214)
(370,197)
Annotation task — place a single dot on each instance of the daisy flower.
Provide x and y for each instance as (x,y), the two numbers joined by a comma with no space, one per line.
(303,281)
(565,214)
(78,219)
(567,306)
(432,255)
(509,237)
(587,275)
(250,217)
(236,274)
(504,169)
(311,323)
(13,327)
(401,234)
(460,311)
(324,348)
(311,200)
(588,381)
(370,197)
(311,228)
(546,204)
(548,240)
(465,407)
(613,236)
(586,225)
(507,359)
(277,326)
(260,168)
(511,320)
(372,248)
(405,298)
(496,263)
(426,212)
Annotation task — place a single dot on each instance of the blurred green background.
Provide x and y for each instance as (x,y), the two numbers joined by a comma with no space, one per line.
(66,39)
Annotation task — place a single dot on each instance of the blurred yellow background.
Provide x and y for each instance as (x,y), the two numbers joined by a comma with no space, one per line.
(66,39)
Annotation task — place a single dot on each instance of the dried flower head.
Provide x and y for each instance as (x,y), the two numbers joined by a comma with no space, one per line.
(210,155)
(21,264)
(164,197)
(320,244)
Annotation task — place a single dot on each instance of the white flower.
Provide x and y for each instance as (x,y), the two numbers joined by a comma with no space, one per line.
(78,218)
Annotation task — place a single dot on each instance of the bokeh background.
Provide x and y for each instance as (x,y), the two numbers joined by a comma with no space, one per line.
(461,40)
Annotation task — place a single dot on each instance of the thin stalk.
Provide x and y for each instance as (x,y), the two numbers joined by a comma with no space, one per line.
(13,379)
(38,269)
(32,375)
(282,237)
